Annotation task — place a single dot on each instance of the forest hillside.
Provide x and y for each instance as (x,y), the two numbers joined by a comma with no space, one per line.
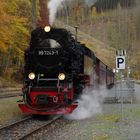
(15,26)
(113,22)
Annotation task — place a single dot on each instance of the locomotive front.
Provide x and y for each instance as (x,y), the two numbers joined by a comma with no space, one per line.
(48,85)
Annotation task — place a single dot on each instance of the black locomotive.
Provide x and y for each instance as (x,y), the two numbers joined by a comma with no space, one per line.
(57,69)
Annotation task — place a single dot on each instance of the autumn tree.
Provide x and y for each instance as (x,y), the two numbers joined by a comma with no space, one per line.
(14,31)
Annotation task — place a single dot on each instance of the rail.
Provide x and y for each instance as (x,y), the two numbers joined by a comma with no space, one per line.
(22,129)
(9,92)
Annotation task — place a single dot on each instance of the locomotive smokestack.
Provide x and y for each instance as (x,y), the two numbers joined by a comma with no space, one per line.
(44,20)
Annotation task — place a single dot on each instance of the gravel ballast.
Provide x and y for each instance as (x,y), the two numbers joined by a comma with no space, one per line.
(106,126)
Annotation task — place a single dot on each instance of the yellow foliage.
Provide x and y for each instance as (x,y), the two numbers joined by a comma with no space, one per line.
(14,32)
(5,27)
(94,12)
(3,49)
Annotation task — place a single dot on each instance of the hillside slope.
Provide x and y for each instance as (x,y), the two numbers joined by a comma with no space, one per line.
(117,28)
(101,49)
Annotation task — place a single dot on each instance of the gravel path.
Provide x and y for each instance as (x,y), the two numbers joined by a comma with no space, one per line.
(106,126)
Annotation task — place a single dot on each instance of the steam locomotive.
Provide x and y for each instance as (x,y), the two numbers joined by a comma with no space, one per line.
(57,69)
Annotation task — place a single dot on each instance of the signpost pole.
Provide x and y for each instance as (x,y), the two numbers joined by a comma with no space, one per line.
(121,92)
(120,65)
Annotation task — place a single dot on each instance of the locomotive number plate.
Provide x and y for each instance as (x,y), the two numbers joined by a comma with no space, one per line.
(47,52)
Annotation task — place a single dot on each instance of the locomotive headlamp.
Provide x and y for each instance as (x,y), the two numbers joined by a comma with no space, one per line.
(31,76)
(47,28)
(61,76)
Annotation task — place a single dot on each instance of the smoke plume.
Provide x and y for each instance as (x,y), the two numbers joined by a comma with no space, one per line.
(89,104)
(53,6)
(90,2)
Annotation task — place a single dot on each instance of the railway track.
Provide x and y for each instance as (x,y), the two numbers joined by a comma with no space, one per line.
(23,129)
(8,96)
(9,92)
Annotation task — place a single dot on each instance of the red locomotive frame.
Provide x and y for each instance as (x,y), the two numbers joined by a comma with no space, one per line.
(56,97)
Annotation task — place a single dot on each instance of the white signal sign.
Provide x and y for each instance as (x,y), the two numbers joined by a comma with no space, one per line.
(120,62)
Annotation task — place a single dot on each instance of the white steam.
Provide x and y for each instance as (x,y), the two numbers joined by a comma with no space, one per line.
(53,5)
(90,2)
(89,104)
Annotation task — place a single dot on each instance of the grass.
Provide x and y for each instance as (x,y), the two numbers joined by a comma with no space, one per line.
(8,83)
(109,118)
(103,136)
(9,110)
